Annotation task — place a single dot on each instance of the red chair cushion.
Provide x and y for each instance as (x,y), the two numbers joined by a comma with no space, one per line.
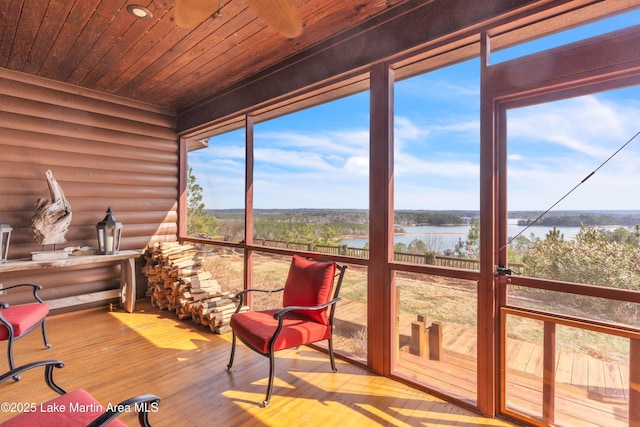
(77,408)
(257,328)
(22,317)
(309,283)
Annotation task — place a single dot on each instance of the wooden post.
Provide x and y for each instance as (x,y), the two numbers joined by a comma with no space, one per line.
(397,315)
(549,373)
(435,341)
(380,277)
(634,383)
(418,344)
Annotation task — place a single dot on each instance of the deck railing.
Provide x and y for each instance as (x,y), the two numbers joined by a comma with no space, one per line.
(408,257)
(623,407)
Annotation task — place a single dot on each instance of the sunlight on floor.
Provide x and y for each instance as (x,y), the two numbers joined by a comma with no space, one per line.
(277,383)
(150,327)
(287,411)
(381,415)
(354,383)
(441,418)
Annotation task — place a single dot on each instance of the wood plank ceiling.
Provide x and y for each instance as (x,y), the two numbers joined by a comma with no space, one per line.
(97,44)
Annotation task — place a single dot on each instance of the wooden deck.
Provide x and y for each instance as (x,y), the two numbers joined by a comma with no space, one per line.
(115,355)
(589,391)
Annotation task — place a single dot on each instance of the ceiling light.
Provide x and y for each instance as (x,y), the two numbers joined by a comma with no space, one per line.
(138,11)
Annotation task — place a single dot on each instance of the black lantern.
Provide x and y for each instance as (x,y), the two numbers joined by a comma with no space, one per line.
(109,231)
(5,236)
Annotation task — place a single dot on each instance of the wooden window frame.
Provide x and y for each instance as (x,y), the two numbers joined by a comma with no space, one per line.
(589,66)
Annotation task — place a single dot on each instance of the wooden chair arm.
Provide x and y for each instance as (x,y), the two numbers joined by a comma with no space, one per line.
(240,295)
(278,314)
(142,404)
(48,373)
(36,288)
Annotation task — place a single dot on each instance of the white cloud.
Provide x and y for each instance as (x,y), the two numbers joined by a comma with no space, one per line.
(552,147)
(224,151)
(351,141)
(557,145)
(586,125)
(290,159)
(357,166)
(406,130)
(408,165)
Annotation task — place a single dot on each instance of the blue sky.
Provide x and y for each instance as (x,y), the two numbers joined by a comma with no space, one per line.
(318,158)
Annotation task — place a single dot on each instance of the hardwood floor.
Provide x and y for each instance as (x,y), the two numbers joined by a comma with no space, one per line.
(116,355)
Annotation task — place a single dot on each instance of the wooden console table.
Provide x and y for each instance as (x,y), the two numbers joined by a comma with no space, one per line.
(127,292)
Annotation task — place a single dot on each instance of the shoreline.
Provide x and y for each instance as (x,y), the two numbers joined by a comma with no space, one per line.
(366,236)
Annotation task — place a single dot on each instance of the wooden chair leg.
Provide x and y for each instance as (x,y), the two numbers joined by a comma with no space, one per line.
(233,350)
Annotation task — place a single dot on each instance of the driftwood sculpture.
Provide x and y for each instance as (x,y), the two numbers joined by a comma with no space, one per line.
(52,218)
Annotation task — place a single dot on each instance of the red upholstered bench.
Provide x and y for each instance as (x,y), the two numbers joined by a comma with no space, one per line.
(76,408)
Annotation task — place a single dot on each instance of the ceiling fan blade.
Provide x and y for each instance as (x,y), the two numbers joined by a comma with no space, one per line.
(191,13)
(281,15)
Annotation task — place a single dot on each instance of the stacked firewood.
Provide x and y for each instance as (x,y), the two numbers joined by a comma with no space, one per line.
(177,282)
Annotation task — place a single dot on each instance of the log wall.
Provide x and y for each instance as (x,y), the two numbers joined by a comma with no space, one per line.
(103,151)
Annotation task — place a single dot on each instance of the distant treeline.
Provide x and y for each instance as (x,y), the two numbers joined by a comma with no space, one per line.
(433,217)
(346,216)
(343,217)
(306,232)
(585,219)
(308,216)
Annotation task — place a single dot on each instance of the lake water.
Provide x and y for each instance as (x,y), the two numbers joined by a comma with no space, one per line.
(440,238)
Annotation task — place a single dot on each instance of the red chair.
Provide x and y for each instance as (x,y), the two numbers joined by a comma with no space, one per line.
(76,408)
(307,297)
(19,320)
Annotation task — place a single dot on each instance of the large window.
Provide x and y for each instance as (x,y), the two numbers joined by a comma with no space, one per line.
(216,183)
(311,193)
(311,178)
(570,233)
(573,212)
(436,217)
(573,218)
(436,166)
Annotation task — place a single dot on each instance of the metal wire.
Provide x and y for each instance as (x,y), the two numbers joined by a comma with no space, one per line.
(570,191)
